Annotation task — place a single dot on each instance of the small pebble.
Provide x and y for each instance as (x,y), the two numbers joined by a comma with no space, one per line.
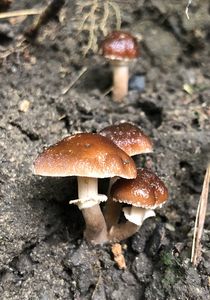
(24,106)
(137,83)
(169,227)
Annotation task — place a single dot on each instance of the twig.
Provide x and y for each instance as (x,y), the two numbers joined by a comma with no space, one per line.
(107,91)
(48,13)
(23,12)
(200,219)
(97,285)
(187,8)
(81,73)
(18,47)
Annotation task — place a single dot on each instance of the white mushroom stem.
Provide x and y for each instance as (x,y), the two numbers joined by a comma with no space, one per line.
(122,231)
(135,217)
(120,81)
(89,199)
(87,189)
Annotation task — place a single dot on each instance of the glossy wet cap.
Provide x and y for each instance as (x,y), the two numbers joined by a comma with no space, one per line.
(120,45)
(85,154)
(129,138)
(147,190)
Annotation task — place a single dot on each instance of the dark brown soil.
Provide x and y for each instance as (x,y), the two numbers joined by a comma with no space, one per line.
(42,253)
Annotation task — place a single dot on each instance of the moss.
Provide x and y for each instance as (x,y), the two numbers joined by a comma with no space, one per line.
(167,259)
(172,270)
(169,279)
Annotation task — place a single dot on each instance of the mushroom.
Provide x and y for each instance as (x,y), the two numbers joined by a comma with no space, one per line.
(120,48)
(132,140)
(145,193)
(128,137)
(88,156)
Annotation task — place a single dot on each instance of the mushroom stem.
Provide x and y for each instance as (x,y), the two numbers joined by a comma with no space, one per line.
(112,209)
(135,217)
(122,231)
(112,212)
(87,187)
(96,231)
(120,81)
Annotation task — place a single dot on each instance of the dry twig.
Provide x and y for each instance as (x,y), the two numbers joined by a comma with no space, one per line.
(22,12)
(99,281)
(17,48)
(200,219)
(81,73)
(48,13)
(187,8)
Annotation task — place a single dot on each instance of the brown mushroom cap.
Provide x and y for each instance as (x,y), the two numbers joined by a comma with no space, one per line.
(128,137)
(147,190)
(120,45)
(87,155)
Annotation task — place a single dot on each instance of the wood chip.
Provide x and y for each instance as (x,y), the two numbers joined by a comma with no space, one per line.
(118,256)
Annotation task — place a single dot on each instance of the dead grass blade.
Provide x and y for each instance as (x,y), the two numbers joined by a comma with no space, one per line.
(23,12)
(200,219)
(81,73)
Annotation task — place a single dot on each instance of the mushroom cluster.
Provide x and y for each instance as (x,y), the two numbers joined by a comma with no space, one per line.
(106,154)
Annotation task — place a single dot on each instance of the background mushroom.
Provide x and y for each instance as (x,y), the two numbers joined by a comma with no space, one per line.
(145,193)
(120,48)
(88,156)
(132,140)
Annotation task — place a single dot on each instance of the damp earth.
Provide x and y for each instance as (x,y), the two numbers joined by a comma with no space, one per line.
(42,253)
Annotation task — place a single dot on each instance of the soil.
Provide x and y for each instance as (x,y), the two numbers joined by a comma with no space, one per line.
(42,252)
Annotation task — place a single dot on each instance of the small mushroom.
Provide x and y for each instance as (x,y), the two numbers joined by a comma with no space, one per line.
(145,193)
(128,137)
(88,156)
(120,48)
(132,140)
